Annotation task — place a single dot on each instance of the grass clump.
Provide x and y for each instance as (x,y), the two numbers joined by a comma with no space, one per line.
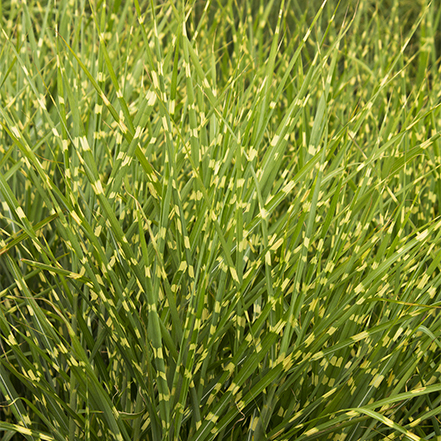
(219,220)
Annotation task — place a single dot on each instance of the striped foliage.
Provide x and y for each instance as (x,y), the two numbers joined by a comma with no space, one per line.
(220,220)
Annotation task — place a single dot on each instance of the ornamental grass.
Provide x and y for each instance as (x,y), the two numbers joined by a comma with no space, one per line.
(220,220)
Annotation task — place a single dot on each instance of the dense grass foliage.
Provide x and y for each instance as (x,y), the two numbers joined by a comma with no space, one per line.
(220,220)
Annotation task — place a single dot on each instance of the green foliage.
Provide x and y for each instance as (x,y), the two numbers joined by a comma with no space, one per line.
(219,220)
